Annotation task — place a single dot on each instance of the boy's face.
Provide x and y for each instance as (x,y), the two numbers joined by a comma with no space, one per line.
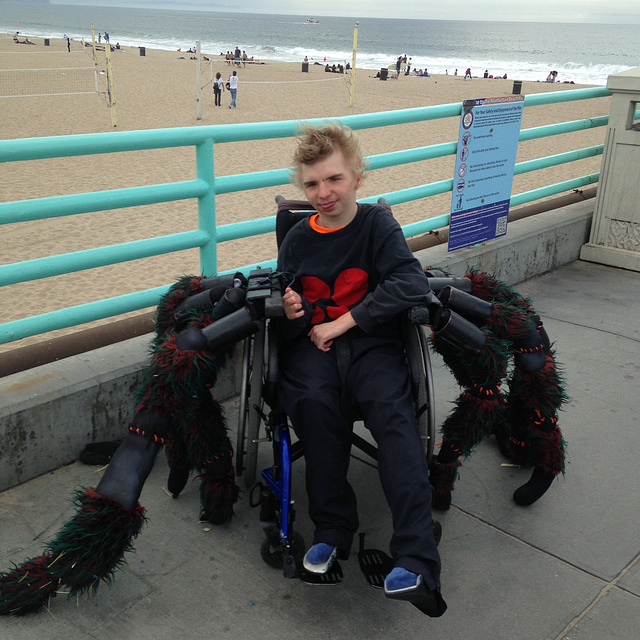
(330,185)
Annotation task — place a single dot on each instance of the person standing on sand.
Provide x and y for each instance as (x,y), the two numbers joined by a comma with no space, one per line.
(233,88)
(218,88)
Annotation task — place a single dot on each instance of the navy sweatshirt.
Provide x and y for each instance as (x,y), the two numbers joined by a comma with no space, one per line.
(366,268)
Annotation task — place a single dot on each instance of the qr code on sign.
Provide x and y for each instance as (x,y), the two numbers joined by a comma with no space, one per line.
(501,226)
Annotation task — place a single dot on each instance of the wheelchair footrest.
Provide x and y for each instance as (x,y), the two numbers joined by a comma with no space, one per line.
(333,576)
(374,564)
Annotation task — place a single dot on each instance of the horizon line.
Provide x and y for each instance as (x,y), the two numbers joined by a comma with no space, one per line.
(192,6)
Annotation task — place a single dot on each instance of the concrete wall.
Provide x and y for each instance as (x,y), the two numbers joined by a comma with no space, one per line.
(49,413)
(531,247)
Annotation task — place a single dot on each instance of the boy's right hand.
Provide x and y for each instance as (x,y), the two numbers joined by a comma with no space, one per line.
(292,303)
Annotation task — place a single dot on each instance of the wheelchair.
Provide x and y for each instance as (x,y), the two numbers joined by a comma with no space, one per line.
(261,420)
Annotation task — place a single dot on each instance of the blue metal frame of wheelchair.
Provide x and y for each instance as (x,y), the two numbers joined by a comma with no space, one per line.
(281,487)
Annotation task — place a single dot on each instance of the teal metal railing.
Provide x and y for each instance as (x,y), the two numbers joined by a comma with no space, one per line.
(207,185)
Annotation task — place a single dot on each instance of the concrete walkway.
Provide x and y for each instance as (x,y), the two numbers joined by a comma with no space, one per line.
(567,567)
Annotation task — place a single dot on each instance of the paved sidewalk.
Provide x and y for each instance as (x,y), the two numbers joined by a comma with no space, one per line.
(568,567)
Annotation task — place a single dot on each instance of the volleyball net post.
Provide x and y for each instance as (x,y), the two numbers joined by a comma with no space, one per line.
(93,47)
(353,65)
(198,82)
(112,100)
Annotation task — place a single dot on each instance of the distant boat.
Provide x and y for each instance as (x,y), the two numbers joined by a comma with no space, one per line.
(312,21)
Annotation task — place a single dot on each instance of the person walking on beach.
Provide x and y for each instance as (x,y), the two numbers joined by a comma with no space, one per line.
(233,88)
(218,88)
(398,65)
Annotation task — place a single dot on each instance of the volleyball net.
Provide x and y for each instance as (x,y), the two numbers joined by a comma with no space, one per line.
(19,83)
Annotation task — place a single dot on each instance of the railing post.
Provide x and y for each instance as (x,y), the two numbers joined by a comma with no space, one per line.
(207,208)
(615,230)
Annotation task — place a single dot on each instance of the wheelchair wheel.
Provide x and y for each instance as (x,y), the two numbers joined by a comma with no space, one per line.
(419,361)
(271,552)
(248,416)
(428,431)
(242,405)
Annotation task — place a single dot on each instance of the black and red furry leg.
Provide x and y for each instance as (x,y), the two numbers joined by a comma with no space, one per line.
(178,384)
(212,456)
(218,489)
(473,418)
(443,472)
(536,439)
(87,550)
(93,542)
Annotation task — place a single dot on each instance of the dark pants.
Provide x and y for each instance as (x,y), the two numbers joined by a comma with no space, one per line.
(217,93)
(377,384)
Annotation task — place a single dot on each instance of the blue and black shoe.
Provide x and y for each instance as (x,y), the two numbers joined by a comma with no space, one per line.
(320,558)
(402,584)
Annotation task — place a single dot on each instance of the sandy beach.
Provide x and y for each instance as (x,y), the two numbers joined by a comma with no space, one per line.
(158,90)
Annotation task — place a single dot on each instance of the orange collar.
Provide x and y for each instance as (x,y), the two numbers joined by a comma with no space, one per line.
(313,223)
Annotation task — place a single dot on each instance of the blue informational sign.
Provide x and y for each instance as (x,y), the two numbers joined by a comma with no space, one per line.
(486,157)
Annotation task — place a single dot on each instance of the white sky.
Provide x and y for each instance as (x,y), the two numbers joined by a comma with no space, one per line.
(597,11)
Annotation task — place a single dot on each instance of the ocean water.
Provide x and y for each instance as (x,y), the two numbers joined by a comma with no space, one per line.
(582,53)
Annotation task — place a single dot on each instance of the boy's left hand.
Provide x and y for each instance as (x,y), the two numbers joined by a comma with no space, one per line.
(323,335)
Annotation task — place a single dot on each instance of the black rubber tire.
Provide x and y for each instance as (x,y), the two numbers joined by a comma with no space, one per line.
(242,405)
(272,553)
(253,417)
(417,349)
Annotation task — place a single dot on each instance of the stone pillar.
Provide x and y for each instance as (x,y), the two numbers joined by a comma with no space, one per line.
(615,230)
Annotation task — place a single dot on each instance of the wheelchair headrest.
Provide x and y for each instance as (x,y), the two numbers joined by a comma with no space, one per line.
(286,219)
(291,212)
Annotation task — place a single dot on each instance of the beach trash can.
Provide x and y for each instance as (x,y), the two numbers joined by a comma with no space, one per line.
(517,87)
(46,42)
(384,73)
(143,51)
(305,67)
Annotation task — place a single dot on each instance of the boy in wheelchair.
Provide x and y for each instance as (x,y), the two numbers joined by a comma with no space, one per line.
(353,275)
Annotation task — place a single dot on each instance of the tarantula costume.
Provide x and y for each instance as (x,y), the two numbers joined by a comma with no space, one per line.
(198,322)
